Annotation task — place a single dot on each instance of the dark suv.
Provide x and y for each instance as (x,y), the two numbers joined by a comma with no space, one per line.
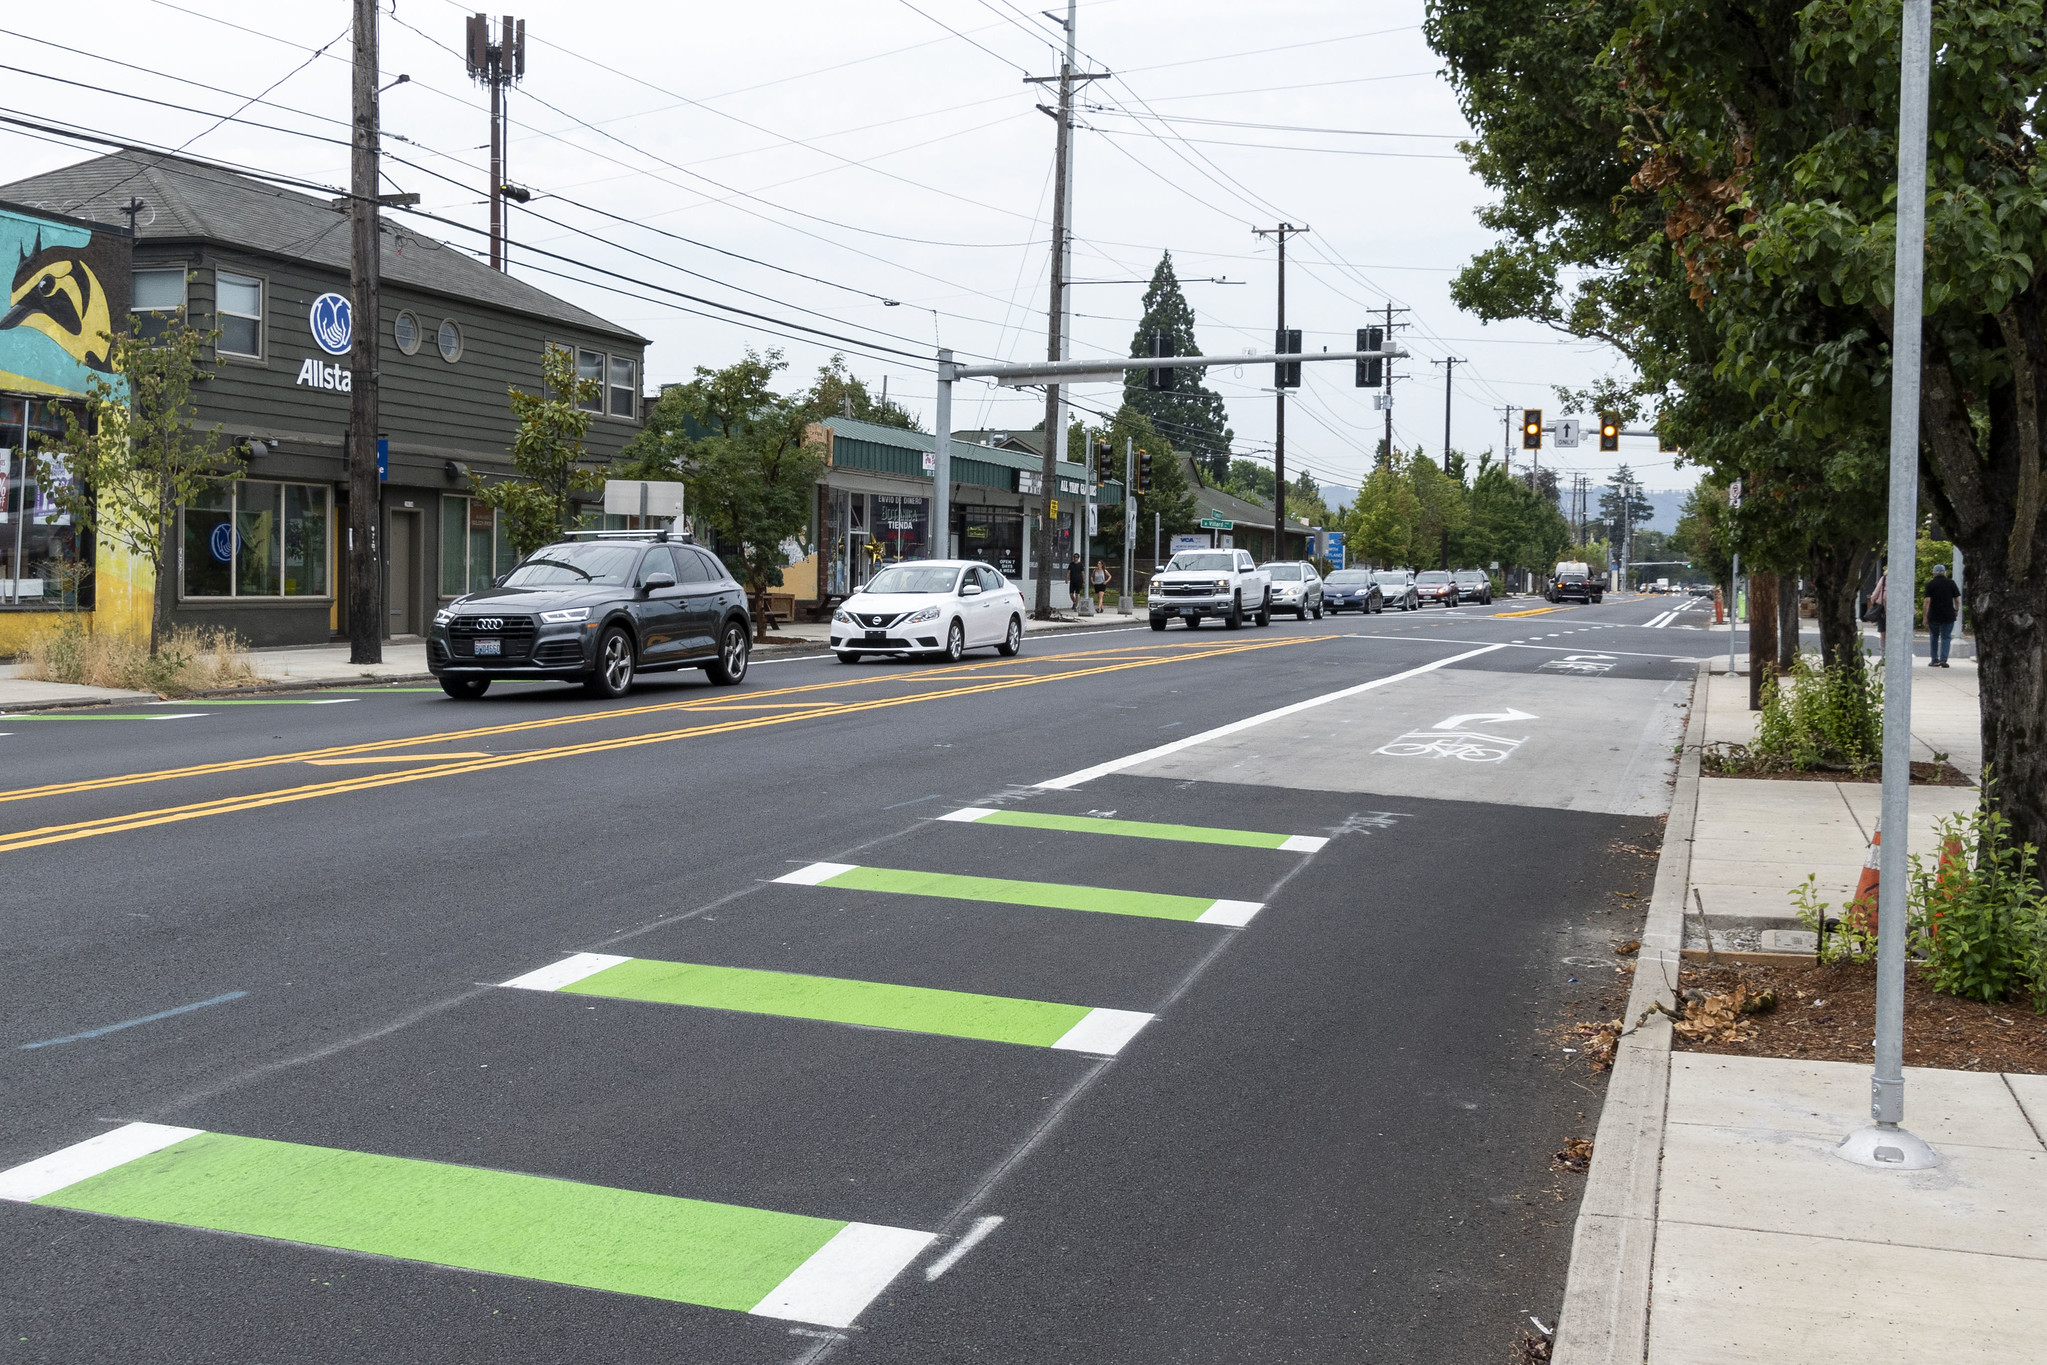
(596,610)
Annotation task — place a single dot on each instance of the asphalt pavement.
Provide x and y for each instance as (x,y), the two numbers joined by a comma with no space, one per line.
(1070,1007)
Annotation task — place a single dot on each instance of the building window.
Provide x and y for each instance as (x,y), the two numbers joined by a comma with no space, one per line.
(625,390)
(474,549)
(156,298)
(451,341)
(238,305)
(405,331)
(254,539)
(590,366)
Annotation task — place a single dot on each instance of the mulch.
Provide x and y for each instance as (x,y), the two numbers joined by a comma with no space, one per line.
(1924,774)
(1828,1013)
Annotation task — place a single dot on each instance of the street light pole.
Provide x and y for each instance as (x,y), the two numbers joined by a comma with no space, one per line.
(1886,1144)
(1123,604)
(941,463)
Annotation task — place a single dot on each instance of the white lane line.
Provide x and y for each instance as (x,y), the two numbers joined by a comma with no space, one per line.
(83,1160)
(566,972)
(1116,765)
(842,1277)
(1303,843)
(814,874)
(1235,914)
(975,1236)
(966,815)
(1103,1031)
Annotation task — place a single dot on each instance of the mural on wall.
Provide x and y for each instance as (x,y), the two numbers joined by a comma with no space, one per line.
(68,286)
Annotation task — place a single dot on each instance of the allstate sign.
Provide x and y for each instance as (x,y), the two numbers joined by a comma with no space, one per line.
(333,324)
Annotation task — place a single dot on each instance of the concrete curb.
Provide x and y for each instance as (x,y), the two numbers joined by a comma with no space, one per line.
(1605,1315)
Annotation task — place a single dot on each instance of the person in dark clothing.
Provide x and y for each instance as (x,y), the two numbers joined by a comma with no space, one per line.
(1073,579)
(1943,600)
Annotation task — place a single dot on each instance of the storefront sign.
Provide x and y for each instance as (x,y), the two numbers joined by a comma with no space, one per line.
(1030,482)
(315,375)
(333,324)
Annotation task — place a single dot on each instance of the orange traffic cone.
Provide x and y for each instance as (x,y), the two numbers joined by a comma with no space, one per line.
(1949,882)
(1860,912)
(1719,609)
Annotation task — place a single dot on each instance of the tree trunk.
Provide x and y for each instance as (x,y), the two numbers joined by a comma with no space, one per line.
(1762,635)
(1836,574)
(166,566)
(1787,623)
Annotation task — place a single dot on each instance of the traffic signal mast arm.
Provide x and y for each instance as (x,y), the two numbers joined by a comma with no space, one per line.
(1031,372)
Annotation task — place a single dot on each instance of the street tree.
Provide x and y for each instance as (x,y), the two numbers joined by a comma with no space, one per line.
(1192,416)
(836,392)
(549,465)
(137,456)
(1623,505)
(738,447)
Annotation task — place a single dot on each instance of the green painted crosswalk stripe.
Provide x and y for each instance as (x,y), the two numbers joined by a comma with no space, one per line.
(1008,891)
(1138,829)
(876,1004)
(534,1227)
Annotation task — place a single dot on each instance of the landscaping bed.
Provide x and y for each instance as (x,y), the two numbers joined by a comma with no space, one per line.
(1721,763)
(1828,1013)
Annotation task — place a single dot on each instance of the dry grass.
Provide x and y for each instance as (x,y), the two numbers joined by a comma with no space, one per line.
(189,661)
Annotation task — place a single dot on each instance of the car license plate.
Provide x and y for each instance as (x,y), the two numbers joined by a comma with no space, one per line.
(877,635)
(1190,611)
(486,647)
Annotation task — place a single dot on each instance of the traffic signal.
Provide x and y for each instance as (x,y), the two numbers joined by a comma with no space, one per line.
(1102,449)
(1531,428)
(1609,431)
(1144,471)
(1371,373)
(1287,373)
(1160,380)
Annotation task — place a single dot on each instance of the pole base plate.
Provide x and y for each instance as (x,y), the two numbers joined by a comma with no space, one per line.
(1885,1147)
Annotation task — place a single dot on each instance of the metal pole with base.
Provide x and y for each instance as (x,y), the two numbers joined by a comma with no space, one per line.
(1123,603)
(1733,610)
(1885,1144)
(941,463)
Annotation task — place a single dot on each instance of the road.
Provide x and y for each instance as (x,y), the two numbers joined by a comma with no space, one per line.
(910,1012)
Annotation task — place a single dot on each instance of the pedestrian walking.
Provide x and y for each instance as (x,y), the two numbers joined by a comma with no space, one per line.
(1943,605)
(1877,612)
(1074,576)
(1101,581)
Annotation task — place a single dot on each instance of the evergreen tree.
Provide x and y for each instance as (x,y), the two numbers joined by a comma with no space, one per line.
(1192,416)
(1623,496)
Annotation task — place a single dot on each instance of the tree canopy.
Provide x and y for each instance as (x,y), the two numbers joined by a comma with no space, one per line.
(1192,416)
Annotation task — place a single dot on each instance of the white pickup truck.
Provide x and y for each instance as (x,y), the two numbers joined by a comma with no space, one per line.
(1198,583)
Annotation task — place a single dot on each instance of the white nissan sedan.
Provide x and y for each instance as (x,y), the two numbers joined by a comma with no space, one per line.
(930,606)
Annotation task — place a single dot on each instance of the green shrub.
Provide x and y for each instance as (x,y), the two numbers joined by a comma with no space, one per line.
(1980,910)
(1820,718)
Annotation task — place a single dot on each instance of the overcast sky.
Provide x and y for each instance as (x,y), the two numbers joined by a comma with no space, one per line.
(872,151)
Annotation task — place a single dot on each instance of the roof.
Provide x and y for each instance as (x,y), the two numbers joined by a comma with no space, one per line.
(1213,502)
(853,429)
(190,201)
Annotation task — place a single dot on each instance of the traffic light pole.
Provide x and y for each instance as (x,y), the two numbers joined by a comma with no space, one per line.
(1280,234)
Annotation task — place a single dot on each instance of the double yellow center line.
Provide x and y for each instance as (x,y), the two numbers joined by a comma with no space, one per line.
(86,829)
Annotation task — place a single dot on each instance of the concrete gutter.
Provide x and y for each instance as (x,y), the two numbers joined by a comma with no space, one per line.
(1605,1314)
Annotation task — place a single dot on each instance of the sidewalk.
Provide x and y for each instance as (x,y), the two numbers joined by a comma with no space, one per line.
(1756,839)
(405,661)
(1717,1224)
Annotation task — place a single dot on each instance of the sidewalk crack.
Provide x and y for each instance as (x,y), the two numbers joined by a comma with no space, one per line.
(2024,1113)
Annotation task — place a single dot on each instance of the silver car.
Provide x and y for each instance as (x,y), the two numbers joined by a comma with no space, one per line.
(1297,588)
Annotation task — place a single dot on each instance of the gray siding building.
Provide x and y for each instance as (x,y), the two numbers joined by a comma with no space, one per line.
(257,263)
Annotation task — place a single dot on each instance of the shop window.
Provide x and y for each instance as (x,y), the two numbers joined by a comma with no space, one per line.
(41,563)
(250,538)
(625,391)
(474,549)
(238,309)
(590,366)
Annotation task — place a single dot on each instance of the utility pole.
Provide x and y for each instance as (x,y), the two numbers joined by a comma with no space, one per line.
(498,65)
(1056,313)
(1449,364)
(1280,345)
(365,579)
(1386,401)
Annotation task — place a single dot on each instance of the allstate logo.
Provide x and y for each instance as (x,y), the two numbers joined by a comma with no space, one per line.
(333,325)
(222,542)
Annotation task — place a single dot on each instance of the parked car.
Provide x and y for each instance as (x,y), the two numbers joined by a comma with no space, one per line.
(1198,583)
(1397,586)
(1436,585)
(930,606)
(1297,588)
(1352,590)
(1475,585)
(598,611)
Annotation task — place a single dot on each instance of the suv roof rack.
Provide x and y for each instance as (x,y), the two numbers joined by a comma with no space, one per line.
(650,534)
